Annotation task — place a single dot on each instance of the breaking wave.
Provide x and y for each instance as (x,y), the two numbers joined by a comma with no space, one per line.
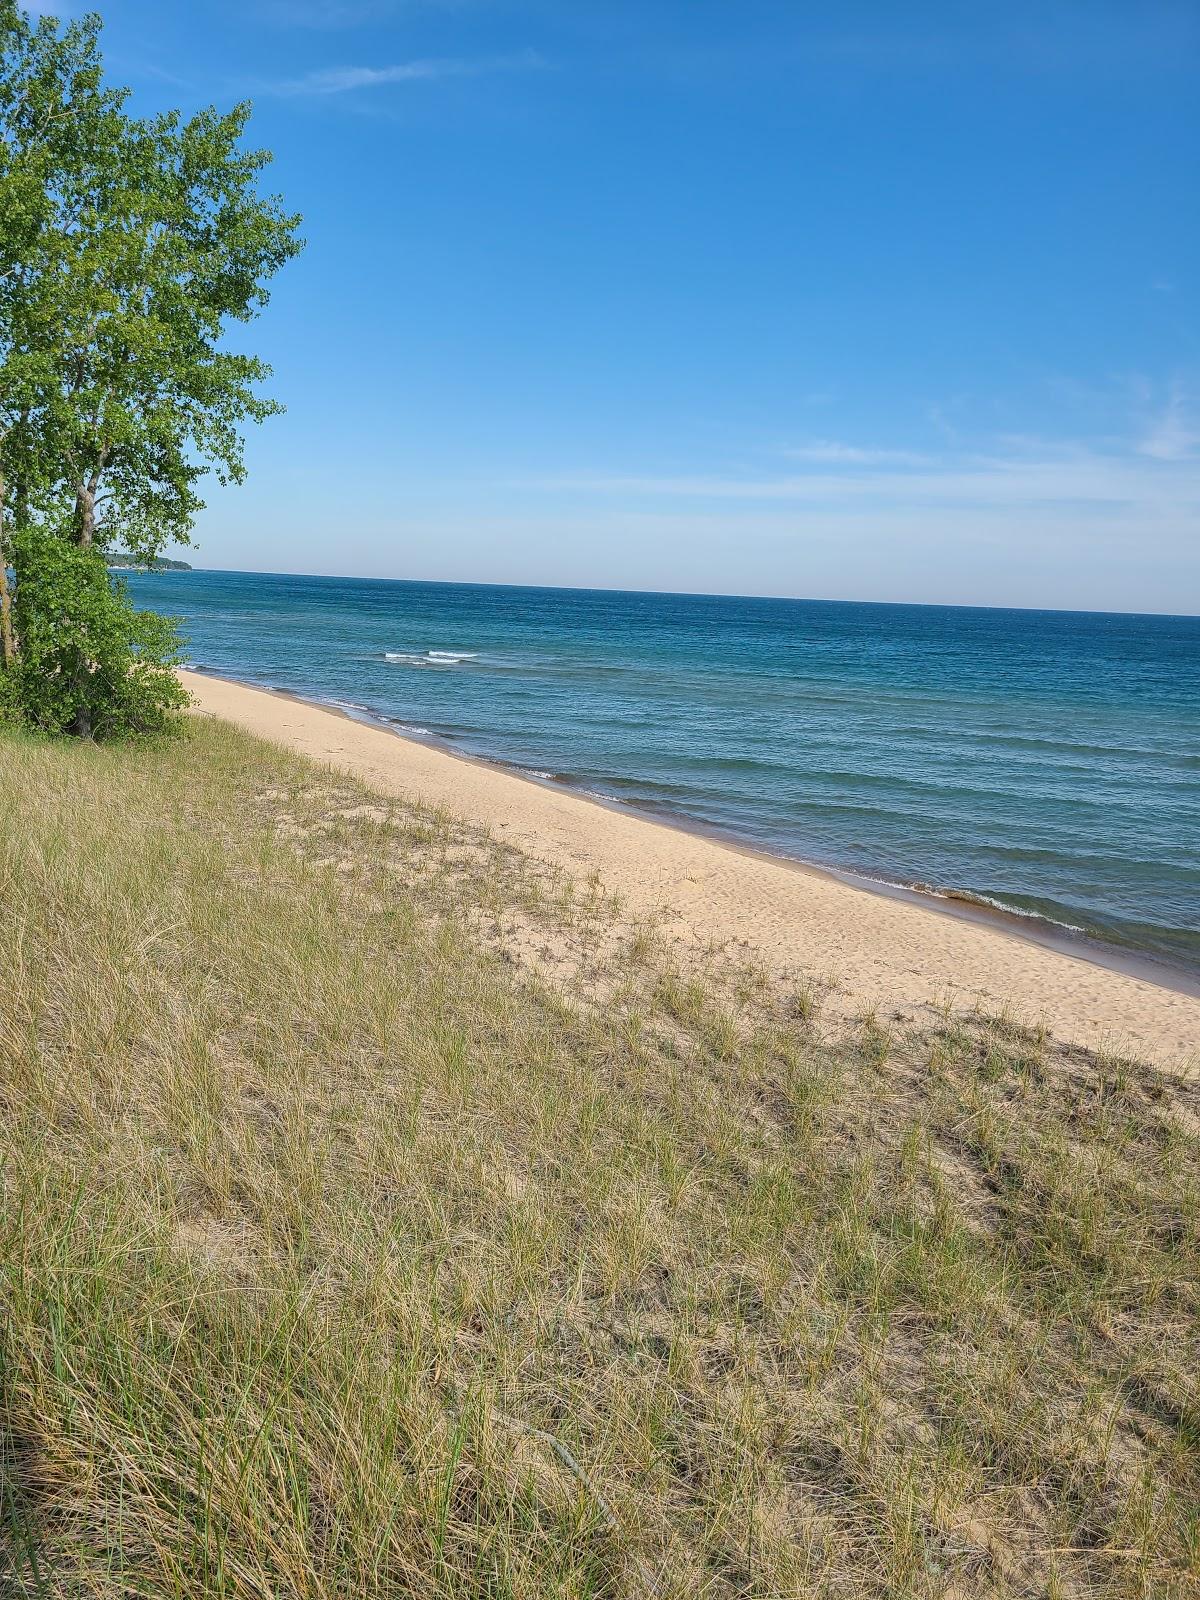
(429,658)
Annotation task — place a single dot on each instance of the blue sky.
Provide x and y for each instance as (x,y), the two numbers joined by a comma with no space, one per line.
(844,300)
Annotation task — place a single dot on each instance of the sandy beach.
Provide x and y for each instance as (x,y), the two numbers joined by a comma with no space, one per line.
(872,950)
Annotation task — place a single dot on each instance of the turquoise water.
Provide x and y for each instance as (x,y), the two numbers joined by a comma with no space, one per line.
(1045,762)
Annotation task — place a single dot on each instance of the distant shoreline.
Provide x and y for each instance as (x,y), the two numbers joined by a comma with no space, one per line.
(122,561)
(889,944)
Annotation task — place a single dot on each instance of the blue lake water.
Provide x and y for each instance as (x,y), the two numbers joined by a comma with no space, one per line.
(1047,762)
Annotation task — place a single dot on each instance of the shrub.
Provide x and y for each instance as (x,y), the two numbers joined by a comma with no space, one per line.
(90,663)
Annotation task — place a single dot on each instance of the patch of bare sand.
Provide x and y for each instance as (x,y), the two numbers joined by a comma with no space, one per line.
(872,951)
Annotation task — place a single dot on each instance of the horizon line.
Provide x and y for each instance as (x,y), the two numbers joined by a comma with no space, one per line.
(688,594)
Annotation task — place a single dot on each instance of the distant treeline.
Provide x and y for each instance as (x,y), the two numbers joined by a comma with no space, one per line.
(124,561)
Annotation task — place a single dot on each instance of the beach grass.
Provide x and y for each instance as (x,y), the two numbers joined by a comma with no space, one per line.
(384,1213)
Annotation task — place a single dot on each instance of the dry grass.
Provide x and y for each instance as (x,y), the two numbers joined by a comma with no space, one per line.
(384,1215)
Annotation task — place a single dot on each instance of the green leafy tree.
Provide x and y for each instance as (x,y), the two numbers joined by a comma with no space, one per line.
(127,249)
(173,243)
(51,92)
(89,662)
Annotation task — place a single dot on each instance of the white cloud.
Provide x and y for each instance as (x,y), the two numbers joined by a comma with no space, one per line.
(1174,434)
(833,453)
(343,80)
(1067,477)
(1049,524)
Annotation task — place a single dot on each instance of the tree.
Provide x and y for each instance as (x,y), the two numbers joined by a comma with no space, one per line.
(50,88)
(89,662)
(173,242)
(127,248)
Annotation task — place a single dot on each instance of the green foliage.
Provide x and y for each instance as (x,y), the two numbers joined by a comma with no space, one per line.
(120,560)
(90,664)
(127,248)
(174,242)
(130,244)
(55,116)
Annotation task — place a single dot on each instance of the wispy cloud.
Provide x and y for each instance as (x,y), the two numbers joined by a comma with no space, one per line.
(134,67)
(1027,477)
(832,452)
(1174,434)
(344,80)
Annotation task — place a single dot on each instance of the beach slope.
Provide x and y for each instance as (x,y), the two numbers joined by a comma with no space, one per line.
(387,1214)
(867,950)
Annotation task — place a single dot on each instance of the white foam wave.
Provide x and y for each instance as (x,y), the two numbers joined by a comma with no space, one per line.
(429,658)
(960,897)
(971,898)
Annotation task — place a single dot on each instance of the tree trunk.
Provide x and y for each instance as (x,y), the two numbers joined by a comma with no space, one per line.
(85,513)
(8,646)
(85,534)
(81,722)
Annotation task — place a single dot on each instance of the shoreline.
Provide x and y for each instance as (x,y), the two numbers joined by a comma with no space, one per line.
(879,943)
(1028,928)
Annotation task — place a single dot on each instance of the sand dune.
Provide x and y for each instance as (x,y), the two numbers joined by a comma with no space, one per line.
(874,950)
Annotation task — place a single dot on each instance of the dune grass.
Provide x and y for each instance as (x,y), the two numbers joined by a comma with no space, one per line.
(382,1214)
